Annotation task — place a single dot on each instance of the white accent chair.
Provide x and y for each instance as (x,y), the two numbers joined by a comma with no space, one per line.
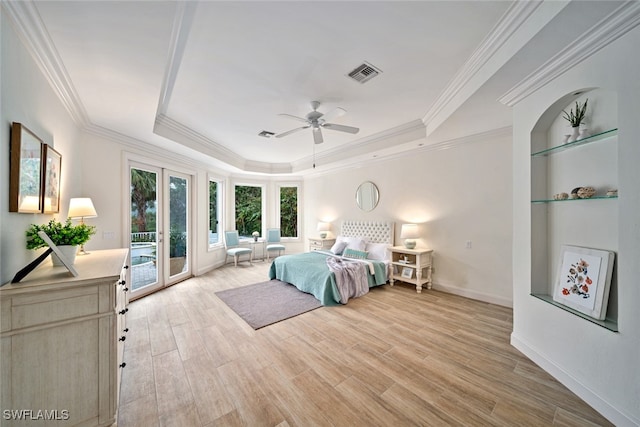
(232,244)
(273,241)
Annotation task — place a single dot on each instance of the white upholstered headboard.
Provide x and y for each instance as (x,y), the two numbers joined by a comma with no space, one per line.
(374,231)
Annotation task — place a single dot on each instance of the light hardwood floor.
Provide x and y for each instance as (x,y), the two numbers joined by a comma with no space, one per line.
(389,358)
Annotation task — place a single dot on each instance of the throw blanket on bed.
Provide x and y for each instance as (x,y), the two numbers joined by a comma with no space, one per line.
(351,278)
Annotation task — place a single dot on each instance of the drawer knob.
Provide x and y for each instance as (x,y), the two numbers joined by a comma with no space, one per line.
(122,338)
(125,267)
(125,330)
(125,289)
(123,311)
(123,282)
(122,365)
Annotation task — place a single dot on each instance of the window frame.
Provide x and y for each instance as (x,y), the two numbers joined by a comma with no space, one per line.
(220,205)
(278,215)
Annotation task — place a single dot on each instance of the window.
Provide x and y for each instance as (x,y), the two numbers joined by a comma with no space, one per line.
(248,210)
(215,211)
(289,211)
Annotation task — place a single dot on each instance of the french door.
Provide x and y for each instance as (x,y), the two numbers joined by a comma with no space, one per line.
(159,236)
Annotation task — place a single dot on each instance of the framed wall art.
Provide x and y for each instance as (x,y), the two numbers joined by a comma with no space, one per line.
(25,176)
(584,280)
(407,272)
(52,164)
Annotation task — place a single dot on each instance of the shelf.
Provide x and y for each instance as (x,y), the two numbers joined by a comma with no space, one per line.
(593,138)
(573,200)
(609,324)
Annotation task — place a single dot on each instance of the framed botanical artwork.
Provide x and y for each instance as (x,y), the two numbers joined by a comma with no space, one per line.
(584,280)
(407,272)
(25,176)
(52,164)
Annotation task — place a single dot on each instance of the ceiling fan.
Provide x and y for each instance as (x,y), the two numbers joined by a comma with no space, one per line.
(317,121)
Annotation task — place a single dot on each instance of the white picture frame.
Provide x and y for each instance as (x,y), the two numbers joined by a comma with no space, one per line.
(584,279)
(407,272)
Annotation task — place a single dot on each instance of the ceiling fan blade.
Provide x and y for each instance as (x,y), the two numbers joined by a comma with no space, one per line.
(300,119)
(317,136)
(341,128)
(289,132)
(336,112)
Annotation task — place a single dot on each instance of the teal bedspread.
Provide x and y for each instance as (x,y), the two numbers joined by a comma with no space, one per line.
(309,272)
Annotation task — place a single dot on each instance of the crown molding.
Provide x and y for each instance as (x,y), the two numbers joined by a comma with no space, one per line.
(32,31)
(609,29)
(509,23)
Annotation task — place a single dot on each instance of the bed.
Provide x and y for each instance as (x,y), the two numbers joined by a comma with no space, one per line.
(322,273)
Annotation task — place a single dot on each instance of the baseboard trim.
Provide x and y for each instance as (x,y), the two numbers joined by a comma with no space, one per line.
(595,401)
(473,294)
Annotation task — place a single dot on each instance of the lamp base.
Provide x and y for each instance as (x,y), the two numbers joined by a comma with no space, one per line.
(409,244)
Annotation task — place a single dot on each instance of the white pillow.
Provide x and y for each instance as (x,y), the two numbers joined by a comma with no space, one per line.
(356,243)
(338,247)
(378,251)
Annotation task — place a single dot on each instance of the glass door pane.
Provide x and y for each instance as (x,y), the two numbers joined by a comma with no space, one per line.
(145,235)
(177,217)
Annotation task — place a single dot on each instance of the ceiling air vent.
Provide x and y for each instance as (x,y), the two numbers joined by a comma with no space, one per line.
(364,73)
(266,134)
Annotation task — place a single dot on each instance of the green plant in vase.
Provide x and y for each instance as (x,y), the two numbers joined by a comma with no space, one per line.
(59,233)
(575,119)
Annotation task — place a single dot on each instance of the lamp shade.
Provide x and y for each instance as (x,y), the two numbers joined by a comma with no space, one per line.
(81,207)
(324,226)
(409,231)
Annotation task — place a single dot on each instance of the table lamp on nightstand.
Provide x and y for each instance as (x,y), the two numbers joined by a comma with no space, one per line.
(409,232)
(323,227)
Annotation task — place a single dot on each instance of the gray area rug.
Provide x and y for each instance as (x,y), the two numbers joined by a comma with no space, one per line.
(265,303)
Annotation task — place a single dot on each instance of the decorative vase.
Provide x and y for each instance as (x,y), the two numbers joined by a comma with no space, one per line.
(255,238)
(584,131)
(68,251)
(575,132)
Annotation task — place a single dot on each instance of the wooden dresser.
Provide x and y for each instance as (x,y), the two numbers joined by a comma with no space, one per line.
(62,342)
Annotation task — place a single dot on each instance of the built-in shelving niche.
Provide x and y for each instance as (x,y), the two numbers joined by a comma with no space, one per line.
(557,168)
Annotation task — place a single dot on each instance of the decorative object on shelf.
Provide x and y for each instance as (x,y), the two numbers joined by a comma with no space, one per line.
(407,272)
(567,135)
(255,235)
(82,207)
(574,193)
(409,232)
(584,131)
(612,193)
(25,177)
(576,118)
(584,279)
(59,234)
(560,196)
(586,192)
(323,227)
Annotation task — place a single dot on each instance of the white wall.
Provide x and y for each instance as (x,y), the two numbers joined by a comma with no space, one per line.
(456,194)
(599,365)
(28,98)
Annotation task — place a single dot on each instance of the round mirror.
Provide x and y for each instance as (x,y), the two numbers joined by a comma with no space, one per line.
(367,196)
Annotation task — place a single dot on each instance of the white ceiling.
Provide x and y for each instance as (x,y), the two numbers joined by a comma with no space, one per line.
(207,77)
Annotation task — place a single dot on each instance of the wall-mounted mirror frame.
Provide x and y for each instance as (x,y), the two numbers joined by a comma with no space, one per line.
(367,196)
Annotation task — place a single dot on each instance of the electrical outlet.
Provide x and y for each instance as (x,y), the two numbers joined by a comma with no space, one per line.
(468,244)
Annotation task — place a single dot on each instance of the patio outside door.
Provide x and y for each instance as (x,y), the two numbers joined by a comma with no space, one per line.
(159,228)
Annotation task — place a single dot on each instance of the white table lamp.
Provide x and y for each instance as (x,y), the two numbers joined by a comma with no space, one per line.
(81,207)
(409,232)
(323,227)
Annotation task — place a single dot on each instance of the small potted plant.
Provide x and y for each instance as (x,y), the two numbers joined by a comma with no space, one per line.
(65,236)
(576,118)
(255,235)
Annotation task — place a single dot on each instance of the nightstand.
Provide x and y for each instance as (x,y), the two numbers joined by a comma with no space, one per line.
(317,244)
(411,266)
